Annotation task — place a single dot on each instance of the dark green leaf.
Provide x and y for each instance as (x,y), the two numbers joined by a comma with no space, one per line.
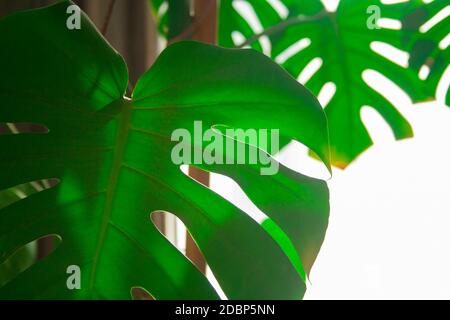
(111,156)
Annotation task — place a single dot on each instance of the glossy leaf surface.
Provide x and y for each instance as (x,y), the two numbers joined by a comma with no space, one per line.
(110,159)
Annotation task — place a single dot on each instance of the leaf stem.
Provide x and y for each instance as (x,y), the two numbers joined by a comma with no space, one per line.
(282,25)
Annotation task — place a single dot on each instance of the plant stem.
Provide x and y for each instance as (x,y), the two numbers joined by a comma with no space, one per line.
(281,26)
(108,17)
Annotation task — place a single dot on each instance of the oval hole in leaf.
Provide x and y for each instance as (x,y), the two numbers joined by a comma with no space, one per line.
(387,23)
(424,72)
(279,7)
(311,68)
(175,231)
(438,17)
(22,128)
(171,227)
(326,93)
(22,191)
(391,53)
(139,293)
(443,44)
(25,257)
(238,38)
(388,89)
(292,50)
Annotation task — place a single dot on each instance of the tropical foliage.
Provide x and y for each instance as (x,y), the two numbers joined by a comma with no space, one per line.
(343,47)
(102,161)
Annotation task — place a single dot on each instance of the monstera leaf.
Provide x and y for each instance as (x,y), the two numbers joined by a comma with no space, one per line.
(342,44)
(428,43)
(108,158)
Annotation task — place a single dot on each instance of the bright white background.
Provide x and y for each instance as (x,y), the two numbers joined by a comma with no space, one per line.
(389,231)
(389,228)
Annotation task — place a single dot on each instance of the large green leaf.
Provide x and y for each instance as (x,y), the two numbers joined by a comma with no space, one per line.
(424,43)
(111,157)
(342,40)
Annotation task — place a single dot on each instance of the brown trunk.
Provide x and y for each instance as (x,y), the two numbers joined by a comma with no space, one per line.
(205,21)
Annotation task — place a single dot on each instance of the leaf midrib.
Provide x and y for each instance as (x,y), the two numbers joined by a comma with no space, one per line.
(122,136)
(344,68)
